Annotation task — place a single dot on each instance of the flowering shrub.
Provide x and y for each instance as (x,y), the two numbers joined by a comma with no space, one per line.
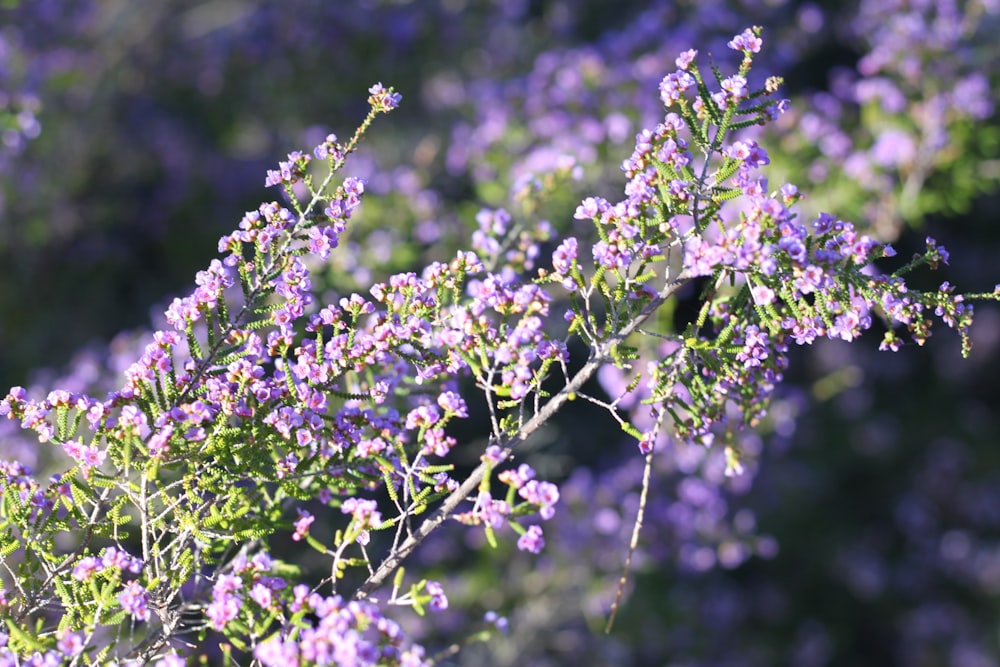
(262,401)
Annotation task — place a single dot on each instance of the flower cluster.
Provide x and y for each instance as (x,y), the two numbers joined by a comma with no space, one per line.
(535,497)
(265,402)
(250,415)
(792,281)
(344,633)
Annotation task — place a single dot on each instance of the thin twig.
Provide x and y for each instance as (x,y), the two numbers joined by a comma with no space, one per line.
(633,543)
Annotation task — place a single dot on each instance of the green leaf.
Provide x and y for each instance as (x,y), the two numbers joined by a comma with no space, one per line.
(20,638)
(491,537)
(316,544)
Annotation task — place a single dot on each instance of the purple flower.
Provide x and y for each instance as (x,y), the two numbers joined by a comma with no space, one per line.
(437,443)
(452,403)
(736,86)
(494,454)
(114,557)
(89,455)
(422,417)
(762,295)
(517,478)
(755,347)
(564,256)
(746,41)
(810,280)
(492,512)
(439,601)
(302,524)
(846,326)
(591,208)
(364,512)
(262,595)
(701,258)
(382,99)
(532,540)
(223,609)
(86,568)
(134,600)
(673,85)
(685,59)
(611,255)
(227,583)
(543,494)
(70,643)
(170,660)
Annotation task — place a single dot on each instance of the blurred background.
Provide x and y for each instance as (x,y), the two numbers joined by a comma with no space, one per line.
(867,531)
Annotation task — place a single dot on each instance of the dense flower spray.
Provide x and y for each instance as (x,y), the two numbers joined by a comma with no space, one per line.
(262,401)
